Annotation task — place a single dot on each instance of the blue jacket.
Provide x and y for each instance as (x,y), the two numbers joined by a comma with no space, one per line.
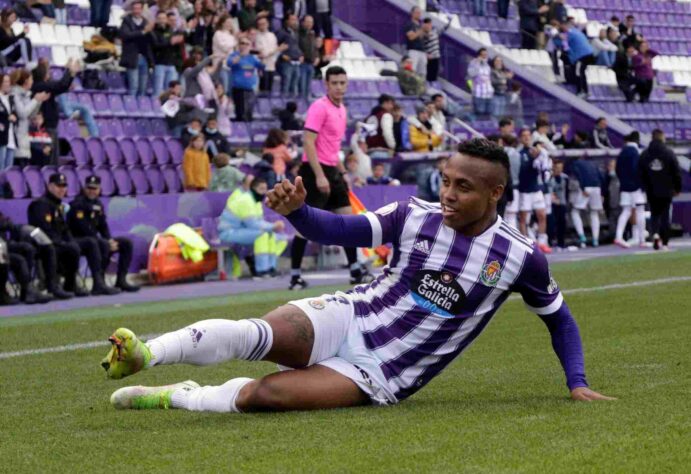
(245,71)
(529,173)
(587,174)
(627,168)
(579,46)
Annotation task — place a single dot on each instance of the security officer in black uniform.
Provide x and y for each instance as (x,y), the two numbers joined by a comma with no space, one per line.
(48,214)
(87,220)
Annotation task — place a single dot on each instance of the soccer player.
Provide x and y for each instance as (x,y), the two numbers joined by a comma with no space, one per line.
(454,264)
(322,172)
(531,197)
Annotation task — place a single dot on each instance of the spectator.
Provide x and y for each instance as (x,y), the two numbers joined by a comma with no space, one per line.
(215,142)
(557,11)
(614,22)
(500,77)
(432,48)
(13,48)
(49,108)
(580,141)
(382,141)
(401,129)
(248,16)
(194,128)
(514,106)
(531,197)
(40,142)
(604,50)
(438,112)
(438,125)
(631,196)
(623,68)
(561,138)
(268,49)
(415,45)
(614,37)
(100,12)
(507,126)
(629,35)
(321,11)
(308,46)
(224,110)
(479,7)
(529,13)
(480,73)
(8,123)
(60,12)
(379,177)
(164,46)
(298,7)
(200,27)
(242,223)
(199,81)
(352,175)
(358,148)
(540,135)
(25,107)
(559,186)
(244,67)
(278,145)
(409,81)
(503,8)
(422,137)
(264,169)
(600,135)
(643,71)
(195,165)
(435,179)
(588,196)
(87,222)
(580,55)
(73,109)
(225,177)
(224,43)
(137,56)
(288,119)
(292,56)
(660,176)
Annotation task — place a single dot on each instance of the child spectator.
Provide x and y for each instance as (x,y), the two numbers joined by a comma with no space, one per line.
(215,142)
(40,142)
(195,165)
(288,119)
(226,177)
(278,145)
(352,175)
(264,169)
(379,177)
(193,129)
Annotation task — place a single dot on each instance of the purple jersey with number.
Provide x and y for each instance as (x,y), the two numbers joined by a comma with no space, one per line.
(441,290)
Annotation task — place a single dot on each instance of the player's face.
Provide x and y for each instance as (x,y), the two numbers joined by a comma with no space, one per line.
(469,191)
(336,87)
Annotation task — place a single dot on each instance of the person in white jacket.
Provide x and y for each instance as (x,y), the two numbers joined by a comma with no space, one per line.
(604,49)
(224,43)
(25,107)
(540,135)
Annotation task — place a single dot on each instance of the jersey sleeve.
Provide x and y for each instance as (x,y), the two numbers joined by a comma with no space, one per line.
(316,116)
(387,222)
(540,292)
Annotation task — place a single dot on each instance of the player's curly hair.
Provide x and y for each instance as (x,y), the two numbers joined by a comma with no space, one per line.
(487,150)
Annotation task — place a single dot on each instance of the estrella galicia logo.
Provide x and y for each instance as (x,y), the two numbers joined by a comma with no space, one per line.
(438,292)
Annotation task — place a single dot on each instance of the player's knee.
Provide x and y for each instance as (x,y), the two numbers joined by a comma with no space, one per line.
(263,394)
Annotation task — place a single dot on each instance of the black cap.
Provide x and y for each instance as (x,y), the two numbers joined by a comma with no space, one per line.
(93,181)
(58,178)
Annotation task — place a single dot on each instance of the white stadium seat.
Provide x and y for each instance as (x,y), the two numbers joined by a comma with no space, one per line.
(59,56)
(76,35)
(62,35)
(48,34)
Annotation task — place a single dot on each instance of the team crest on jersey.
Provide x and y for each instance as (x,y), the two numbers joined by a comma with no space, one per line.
(317,304)
(438,292)
(491,273)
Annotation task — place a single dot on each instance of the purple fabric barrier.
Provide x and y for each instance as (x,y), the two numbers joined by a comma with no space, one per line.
(141,217)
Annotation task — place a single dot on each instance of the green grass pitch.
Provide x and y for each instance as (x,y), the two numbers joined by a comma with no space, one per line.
(501,407)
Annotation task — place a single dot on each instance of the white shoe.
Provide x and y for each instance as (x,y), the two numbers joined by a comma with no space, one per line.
(622,243)
(665,248)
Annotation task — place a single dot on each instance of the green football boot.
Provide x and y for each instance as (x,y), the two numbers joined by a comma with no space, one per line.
(128,355)
(148,398)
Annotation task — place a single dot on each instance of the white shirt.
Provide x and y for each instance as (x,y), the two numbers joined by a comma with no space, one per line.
(266,43)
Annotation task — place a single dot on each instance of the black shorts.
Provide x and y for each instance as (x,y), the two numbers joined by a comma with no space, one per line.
(339,188)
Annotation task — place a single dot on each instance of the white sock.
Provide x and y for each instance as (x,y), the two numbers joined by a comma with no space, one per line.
(595,224)
(219,399)
(621,222)
(577,222)
(542,239)
(213,341)
(640,223)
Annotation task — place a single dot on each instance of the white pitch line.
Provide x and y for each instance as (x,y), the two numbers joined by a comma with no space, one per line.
(92,344)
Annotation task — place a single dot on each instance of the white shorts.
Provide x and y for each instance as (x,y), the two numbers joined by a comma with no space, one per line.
(512,207)
(592,201)
(339,345)
(548,203)
(632,199)
(532,201)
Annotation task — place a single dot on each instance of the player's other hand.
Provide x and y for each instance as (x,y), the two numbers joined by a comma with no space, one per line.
(584,394)
(287,197)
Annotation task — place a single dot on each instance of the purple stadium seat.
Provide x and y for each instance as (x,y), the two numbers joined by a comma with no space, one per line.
(34,181)
(73,186)
(104,127)
(46,171)
(15,178)
(156,108)
(122,180)
(181,174)
(160,151)
(84,98)
(113,152)
(175,149)
(129,128)
(95,148)
(83,172)
(155,178)
(107,182)
(240,135)
(79,151)
(139,180)
(117,107)
(146,154)
(131,106)
(101,104)
(129,151)
(263,107)
(159,128)
(68,129)
(116,126)
(170,175)
(114,80)
(143,127)
(144,106)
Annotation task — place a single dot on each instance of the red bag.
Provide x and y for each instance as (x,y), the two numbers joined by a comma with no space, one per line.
(167,265)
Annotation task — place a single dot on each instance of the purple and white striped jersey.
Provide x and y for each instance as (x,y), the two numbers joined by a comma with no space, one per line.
(441,290)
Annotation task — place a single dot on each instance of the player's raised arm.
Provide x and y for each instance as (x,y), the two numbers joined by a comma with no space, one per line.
(365,230)
(542,296)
